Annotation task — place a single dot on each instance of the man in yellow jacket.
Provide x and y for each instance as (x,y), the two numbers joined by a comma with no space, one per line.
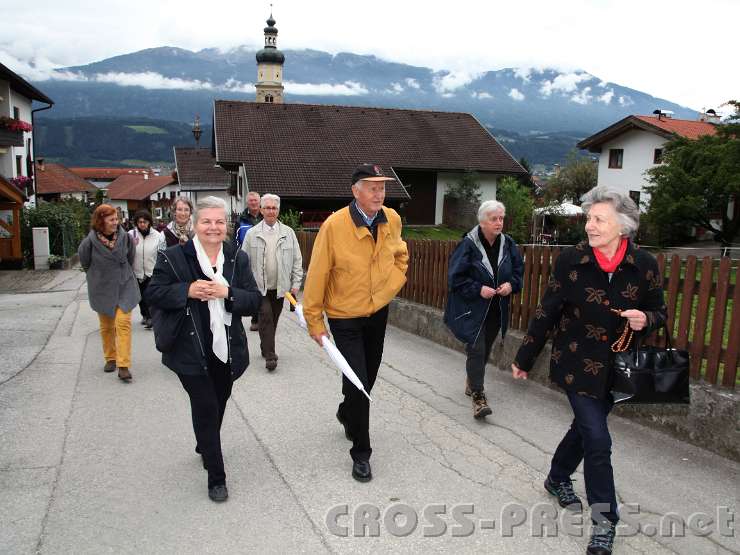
(358,264)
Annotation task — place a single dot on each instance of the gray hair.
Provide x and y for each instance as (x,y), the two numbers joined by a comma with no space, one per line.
(489,206)
(253,194)
(627,211)
(270,196)
(209,202)
(184,200)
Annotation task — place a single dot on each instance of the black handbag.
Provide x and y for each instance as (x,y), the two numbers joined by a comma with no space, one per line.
(645,374)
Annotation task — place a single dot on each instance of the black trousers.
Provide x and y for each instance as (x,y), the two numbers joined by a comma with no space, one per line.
(142,303)
(588,440)
(267,322)
(208,396)
(360,340)
(478,352)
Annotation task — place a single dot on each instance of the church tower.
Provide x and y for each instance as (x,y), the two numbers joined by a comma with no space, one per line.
(270,67)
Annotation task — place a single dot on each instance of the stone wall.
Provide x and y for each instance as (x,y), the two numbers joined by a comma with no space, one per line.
(711,420)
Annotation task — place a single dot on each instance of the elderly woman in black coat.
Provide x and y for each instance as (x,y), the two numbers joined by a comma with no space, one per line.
(106,255)
(198,293)
(597,288)
(484,270)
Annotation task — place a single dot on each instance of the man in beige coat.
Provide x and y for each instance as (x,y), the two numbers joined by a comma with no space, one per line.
(275,258)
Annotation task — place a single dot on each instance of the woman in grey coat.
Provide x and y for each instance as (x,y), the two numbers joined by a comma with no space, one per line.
(106,255)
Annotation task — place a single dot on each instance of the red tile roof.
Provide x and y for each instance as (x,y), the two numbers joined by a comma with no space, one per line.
(684,127)
(108,174)
(665,127)
(305,150)
(56,178)
(135,187)
(197,170)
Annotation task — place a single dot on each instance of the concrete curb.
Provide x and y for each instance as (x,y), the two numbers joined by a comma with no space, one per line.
(711,421)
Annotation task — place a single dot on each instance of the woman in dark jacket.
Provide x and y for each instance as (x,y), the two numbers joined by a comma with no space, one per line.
(198,293)
(596,290)
(484,270)
(106,255)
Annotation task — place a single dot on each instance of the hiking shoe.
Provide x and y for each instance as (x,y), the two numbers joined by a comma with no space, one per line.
(602,539)
(480,405)
(567,498)
(124,374)
(218,493)
(468,391)
(110,366)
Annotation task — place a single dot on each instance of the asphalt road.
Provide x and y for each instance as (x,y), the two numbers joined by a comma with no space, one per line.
(89,464)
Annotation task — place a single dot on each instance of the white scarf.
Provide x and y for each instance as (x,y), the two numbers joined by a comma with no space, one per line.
(219,316)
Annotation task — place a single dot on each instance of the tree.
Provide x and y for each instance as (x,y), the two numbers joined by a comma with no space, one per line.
(519,206)
(526,179)
(698,182)
(466,188)
(576,178)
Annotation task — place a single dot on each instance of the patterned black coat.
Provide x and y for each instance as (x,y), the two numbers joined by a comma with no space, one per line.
(576,305)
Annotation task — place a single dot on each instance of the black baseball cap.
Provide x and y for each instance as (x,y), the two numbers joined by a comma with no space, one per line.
(369,172)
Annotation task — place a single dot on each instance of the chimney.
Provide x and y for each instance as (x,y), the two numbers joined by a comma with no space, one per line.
(710,116)
(146,176)
(40,164)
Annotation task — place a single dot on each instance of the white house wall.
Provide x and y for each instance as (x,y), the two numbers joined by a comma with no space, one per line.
(639,150)
(9,100)
(445,180)
(122,205)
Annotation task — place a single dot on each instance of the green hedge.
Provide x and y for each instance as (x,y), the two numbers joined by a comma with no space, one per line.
(68,222)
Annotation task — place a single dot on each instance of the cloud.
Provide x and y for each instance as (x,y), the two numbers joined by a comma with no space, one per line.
(516,95)
(152,80)
(583,97)
(606,98)
(237,86)
(413,83)
(565,82)
(348,88)
(625,101)
(450,81)
(482,95)
(523,73)
(396,88)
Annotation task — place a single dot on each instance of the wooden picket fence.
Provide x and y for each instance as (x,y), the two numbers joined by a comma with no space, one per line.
(703,302)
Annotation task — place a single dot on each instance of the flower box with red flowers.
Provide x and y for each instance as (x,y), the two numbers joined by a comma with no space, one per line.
(12,124)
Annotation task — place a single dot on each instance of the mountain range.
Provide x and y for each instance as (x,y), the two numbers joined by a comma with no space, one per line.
(536,113)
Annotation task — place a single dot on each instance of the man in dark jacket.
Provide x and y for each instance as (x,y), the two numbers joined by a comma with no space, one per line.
(251,216)
(484,270)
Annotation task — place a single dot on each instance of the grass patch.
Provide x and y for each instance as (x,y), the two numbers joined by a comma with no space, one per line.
(437,232)
(148,129)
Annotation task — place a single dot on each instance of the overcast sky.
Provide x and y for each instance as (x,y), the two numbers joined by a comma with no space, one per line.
(683,51)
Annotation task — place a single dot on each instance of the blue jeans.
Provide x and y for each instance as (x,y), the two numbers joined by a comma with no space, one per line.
(588,440)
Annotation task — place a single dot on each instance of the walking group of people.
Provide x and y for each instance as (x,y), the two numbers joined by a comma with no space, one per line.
(194,286)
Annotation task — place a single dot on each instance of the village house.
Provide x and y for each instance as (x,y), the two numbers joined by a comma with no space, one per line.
(56,182)
(633,145)
(129,193)
(199,177)
(102,177)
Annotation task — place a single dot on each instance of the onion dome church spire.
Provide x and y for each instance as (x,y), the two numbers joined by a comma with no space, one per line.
(270,67)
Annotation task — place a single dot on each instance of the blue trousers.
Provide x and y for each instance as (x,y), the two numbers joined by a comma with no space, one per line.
(588,440)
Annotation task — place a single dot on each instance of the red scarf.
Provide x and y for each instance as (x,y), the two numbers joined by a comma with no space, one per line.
(610,264)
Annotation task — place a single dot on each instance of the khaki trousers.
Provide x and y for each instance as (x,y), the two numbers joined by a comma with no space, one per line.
(116,336)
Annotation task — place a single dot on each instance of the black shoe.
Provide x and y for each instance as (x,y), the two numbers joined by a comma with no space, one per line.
(602,539)
(271,364)
(148,324)
(567,498)
(110,366)
(361,471)
(343,422)
(218,493)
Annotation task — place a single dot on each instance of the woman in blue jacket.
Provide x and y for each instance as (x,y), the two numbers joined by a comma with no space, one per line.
(484,270)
